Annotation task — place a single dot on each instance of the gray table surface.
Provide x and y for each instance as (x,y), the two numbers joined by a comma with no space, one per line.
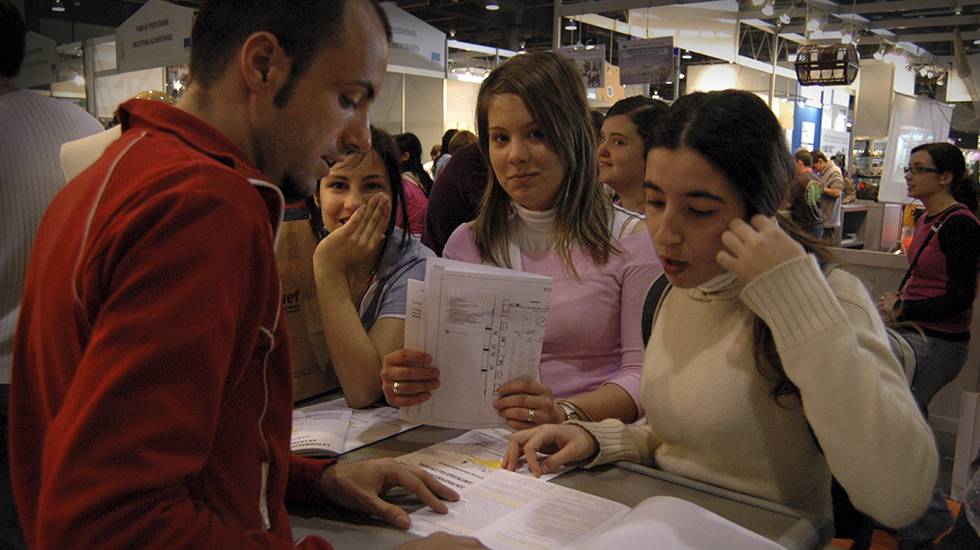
(625,483)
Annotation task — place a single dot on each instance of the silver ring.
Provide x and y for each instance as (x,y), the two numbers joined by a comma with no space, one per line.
(396,388)
(530,415)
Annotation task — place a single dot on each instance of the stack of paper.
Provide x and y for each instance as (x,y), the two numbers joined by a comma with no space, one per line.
(484,326)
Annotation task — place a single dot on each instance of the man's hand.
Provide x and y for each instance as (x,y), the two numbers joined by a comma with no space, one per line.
(358,486)
(751,250)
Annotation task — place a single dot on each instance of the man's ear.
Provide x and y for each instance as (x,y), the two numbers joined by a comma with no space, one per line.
(263,64)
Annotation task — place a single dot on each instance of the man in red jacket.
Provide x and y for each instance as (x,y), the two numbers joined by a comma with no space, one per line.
(151,393)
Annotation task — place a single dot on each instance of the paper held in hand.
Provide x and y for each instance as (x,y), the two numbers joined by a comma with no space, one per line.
(483,326)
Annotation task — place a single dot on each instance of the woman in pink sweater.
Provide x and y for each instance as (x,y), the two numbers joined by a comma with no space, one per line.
(544,212)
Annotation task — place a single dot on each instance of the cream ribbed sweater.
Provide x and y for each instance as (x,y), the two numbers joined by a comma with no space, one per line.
(711,417)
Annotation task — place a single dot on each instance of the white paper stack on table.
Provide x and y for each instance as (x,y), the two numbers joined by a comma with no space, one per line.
(332,428)
(508,511)
(483,326)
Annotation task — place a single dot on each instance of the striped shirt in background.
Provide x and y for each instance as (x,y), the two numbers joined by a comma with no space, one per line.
(32,130)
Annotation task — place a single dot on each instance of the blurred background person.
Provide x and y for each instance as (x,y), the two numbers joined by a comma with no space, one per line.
(621,147)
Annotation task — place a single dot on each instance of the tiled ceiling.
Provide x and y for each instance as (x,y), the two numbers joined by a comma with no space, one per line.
(929,24)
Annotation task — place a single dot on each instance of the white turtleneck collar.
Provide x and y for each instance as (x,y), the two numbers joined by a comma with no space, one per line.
(719,282)
(536,232)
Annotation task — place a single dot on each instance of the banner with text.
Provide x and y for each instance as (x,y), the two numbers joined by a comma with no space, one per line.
(648,61)
(157,35)
(40,64)
(414,43)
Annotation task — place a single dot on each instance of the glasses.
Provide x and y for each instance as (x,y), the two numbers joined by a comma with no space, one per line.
(919,170)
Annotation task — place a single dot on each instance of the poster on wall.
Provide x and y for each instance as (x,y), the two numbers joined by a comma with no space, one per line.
(590,63)
(648,61)
(914,121)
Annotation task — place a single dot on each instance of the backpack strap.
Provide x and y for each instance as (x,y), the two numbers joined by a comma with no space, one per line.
(651,304)
(934,228)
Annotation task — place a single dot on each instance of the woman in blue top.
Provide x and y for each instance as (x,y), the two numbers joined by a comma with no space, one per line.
(362,265)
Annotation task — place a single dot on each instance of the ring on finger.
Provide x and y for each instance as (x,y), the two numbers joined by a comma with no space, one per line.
(396,387)
(530,415)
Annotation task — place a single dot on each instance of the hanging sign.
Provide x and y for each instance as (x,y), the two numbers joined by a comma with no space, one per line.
(40,64)
(590,62)
(649,61)
(157,35)
(414,43)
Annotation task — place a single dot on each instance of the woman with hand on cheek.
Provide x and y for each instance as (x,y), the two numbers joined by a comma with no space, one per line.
(362,266)
(544,212)
(763,374)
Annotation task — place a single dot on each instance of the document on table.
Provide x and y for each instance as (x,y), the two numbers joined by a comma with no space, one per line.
(483,326)
(468,459)
(332,428)
(507,511)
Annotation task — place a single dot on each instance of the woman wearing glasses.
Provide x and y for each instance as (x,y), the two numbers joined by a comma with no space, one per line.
(938,292)
(936,295)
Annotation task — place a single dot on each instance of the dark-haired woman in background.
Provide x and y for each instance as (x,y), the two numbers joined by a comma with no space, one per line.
(362,266)
(937,293)
(628,125)
(416,183)
(942,283)
(763,375)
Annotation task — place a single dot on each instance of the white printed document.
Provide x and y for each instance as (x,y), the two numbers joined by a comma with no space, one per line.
(507,511)
(332,428)
(483,326)
(467,459)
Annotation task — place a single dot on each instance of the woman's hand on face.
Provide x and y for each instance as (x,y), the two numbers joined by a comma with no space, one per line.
(751,250)
(564,442)
(357,239)
(525,403)
(406,377)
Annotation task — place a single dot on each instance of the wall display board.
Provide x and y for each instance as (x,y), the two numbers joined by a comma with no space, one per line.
(590,63)
(157,35)
(914,121)
(646,61)
(414,43)
(40,64)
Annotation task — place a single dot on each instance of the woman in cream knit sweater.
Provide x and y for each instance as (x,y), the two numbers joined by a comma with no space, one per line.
(763,375)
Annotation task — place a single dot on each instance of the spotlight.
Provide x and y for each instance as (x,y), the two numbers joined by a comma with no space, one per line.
(768,9)
(57,6)
(785,19)
(813,25)
(492,5)
(757,2)
(847,37)
(79,80)
(571,26)
(880,54)
(687,55)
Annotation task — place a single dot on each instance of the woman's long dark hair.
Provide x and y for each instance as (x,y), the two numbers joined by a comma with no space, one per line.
(409,143)
(739,135)
(948,158)
(384,145)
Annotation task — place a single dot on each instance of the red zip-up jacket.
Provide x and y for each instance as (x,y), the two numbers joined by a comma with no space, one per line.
(151,397)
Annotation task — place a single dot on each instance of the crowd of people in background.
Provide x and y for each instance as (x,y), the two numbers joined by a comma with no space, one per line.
(762,352)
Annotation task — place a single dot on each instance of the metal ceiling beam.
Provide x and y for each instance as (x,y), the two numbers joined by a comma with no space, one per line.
(886,7)
(606,6)
(895,24)
(921,38)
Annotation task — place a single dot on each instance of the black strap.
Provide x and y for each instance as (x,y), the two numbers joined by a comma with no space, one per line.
(933,229)
(650,305)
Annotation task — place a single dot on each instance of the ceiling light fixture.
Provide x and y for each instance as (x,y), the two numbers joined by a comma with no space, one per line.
(57,6)
(571,26)
(687,55)
(847,37)
(785,18)
(492,5)
(813,25)
(768,9)
(880,54)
